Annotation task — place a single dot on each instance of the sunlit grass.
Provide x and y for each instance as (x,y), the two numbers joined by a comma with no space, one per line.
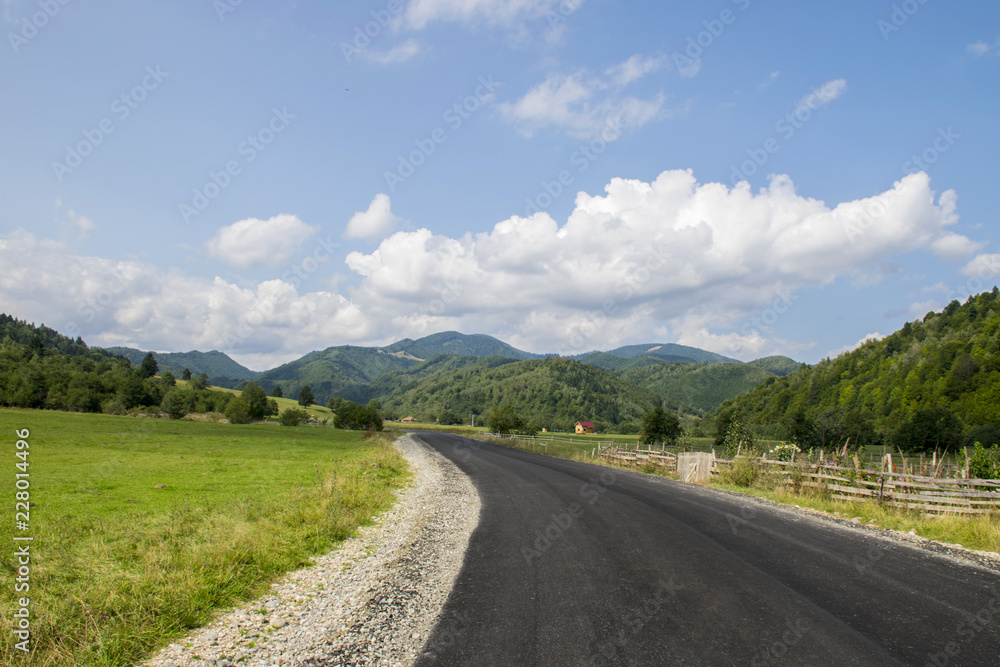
(143,527)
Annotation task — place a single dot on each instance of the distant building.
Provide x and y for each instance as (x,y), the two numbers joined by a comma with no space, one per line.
(585,427)
(409,420)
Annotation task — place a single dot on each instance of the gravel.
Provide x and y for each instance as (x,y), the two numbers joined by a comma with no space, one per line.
(373,601)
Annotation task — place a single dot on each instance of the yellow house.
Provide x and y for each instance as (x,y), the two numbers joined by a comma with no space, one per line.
(585,427)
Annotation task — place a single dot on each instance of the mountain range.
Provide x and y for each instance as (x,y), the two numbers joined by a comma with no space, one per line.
(424,376)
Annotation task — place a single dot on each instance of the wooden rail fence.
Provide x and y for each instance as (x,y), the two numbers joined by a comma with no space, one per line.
(932,495)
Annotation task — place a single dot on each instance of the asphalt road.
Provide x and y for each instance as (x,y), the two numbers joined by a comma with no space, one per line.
(576,564)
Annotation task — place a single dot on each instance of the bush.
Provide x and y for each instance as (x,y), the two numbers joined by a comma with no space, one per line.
(237,411)
(744,472)
(984,463)
(177,403)
(356,417)
(293,417)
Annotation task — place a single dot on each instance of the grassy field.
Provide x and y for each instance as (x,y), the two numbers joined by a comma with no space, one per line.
(317,411)
(142,527)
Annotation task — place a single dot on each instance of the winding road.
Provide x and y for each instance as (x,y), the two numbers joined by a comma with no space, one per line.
(577,564)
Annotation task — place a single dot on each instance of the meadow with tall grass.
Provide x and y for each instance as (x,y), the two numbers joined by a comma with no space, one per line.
(144,527)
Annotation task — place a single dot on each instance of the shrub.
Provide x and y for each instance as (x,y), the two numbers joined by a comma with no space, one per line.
(744,471)
(237,411)
(293,417)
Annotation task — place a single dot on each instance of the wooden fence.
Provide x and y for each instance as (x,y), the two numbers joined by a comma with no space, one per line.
(933,495)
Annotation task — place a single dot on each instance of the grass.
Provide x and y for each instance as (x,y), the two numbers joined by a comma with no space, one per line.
(120,567)
(317,411)
(981,532)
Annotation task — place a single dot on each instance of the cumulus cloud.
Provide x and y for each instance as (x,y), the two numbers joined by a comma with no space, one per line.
(255,243)
(588,106)
(955,247)
(701,263)
(137,304)
(374,223)
(419,13)
(672,252)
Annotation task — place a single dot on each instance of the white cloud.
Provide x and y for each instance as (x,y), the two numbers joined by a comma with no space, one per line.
(771,78)
(397,54)
(374,223)
(980,49)
(643,256)
(700,261)
(254,243)
(589,106)
(507,13)
(833,354)
(955,247)
(822,96)
(984,266)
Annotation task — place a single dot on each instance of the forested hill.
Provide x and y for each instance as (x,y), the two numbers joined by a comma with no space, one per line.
(553,393)
(222,371)
(934,383)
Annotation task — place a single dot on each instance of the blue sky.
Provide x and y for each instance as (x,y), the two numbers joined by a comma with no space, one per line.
(273,178)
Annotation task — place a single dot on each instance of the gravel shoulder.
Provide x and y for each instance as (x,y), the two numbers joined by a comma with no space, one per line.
(372,601)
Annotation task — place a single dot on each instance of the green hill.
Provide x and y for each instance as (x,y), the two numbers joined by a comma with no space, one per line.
(776,365)
(346,371)
(554,393)
(222,370)
(934,383)
(702,386)
(670,352)
(452,342)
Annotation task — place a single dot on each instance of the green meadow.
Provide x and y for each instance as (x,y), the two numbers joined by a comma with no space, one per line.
(144,527)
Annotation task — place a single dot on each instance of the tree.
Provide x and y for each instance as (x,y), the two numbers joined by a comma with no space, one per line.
(356,417)
(237,411)
(659,426)
(256,400)
(186,375)
(928,430)
(272,408)
(293,417)
(176,403)
(739,439)
(200,382)
(449,418)
(306,397)
(277,392)
(504,420)
(168,379)
(148,367)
